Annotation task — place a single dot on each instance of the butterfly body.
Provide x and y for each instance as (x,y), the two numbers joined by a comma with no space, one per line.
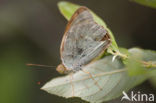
(83,40)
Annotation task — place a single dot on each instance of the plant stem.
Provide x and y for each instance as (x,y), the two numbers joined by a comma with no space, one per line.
(118,53)
(147,64)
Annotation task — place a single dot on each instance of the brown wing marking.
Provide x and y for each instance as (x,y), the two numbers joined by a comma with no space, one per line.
(77,12)
(68,26)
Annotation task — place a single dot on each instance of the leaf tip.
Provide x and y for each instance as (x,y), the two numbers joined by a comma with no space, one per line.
(62,3)
(44,87)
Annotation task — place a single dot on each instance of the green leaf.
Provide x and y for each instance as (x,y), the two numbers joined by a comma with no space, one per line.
(67,9)
(153,78)
(135,60)
(150,55)
(149,3)
(110,79)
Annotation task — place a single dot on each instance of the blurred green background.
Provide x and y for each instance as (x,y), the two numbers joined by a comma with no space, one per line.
(31,32)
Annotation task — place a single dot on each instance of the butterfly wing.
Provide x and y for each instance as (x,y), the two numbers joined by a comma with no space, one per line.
(83,40)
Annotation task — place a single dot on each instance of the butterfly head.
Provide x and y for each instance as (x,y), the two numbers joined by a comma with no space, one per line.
(61,69)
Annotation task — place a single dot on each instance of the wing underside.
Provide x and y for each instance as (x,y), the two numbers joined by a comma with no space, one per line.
(83,40)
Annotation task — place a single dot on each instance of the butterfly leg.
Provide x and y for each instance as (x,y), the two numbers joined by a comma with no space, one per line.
(90,75)
(72,85)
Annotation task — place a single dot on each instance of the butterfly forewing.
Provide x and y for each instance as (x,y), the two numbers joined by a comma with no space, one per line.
(83,40)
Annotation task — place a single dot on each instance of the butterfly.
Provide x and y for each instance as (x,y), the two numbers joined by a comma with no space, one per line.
(82,42)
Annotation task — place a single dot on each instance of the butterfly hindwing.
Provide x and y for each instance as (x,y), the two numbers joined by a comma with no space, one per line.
(83,40)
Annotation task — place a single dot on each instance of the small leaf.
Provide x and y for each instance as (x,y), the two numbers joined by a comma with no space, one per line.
(67,9)
(150,55)
(110,79)
(124,51)
(149,3)
(136,58)
(153,78)
(133,62)
(134,66)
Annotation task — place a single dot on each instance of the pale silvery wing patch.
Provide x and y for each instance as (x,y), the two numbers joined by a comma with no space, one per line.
(83,40)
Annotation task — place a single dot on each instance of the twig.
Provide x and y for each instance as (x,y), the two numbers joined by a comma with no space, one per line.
(147,64)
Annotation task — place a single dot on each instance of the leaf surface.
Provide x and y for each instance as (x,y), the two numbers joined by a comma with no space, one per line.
(149,3)
(110,79)
(136,60)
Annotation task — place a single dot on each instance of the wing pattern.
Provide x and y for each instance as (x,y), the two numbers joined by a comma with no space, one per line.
(83,40)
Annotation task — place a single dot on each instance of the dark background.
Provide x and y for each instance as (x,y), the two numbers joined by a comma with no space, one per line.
(31,32)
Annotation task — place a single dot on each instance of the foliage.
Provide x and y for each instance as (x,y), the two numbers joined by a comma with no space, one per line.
(149,3)
(104,79)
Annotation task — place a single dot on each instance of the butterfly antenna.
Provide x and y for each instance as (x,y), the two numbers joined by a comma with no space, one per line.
(39,65)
